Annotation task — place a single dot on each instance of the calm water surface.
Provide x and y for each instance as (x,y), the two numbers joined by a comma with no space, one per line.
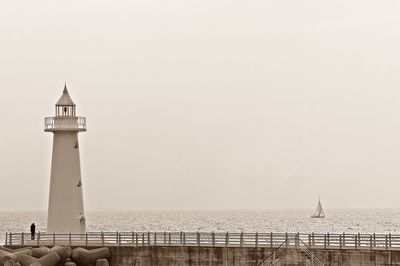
(337,221)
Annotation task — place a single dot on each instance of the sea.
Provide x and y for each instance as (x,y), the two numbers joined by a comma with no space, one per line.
(278,221)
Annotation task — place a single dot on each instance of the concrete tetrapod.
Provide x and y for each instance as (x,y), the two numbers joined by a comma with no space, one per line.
(102,262)
(14,250)
(69,262)
(51,259)
(11,263)
(84,257)
(7,249)
(13,255)
(40,252)
(63,252)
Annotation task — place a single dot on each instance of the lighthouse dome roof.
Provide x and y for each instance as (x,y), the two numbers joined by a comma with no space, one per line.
(65,99)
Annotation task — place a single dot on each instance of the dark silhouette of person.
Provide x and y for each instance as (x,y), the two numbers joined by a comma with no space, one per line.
(33,229)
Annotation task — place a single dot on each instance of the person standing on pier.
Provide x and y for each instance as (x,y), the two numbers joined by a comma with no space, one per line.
(33,229)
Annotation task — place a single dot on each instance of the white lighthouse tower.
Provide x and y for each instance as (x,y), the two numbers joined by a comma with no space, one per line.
(65,213)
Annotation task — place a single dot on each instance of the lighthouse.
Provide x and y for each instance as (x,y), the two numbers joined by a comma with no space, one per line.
(65,210)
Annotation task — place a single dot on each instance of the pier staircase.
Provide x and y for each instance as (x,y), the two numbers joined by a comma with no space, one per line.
(312,259)
(274,257)
(299,245)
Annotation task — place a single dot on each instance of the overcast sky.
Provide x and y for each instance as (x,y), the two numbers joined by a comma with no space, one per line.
(205,104)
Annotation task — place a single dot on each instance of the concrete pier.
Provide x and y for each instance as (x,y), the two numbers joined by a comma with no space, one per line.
(242,249)
(248,256)
(245,256)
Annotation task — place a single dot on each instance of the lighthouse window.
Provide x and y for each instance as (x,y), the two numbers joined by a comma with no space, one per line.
(76,145)
(79,183)
(65,110)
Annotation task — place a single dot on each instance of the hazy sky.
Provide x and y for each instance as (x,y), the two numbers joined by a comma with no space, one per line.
(205,104)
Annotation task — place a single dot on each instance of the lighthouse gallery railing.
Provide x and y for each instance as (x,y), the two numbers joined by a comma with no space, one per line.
(76,122)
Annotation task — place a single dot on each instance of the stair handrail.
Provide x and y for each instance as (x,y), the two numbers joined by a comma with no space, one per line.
(280,248)
(314,259)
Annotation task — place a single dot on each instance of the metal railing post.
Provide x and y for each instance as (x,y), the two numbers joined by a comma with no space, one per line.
(198,239)
(11,242)
(374,240)
(54,239)
(329,239)
(137,239)
(295,240)
(143,239)
(148,238)
(181,237)
(256,239)
(38,238)
(226,238)
(86,239)
(359,240)
(355,241)
(340,241)
(271,240)
(241,239)
(390,240)
(287,239)
(6,239)
(309,240)
(370,241)
(169,239)
(313,239)
(22,238)
(155,238)
(70,239)
(386,242)
(324,241)
(344,239)
(213,238)
(184,239)
(165,237)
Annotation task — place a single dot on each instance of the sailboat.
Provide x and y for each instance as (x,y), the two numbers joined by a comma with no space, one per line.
(319,212)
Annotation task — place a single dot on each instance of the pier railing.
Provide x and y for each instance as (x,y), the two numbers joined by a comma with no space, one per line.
(209,239)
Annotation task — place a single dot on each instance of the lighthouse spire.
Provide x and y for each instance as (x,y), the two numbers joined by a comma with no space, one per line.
(65,99)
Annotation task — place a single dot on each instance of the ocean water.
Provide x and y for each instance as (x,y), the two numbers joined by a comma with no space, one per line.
(336,221)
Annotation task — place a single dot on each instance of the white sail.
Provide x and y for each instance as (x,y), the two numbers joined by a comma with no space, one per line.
(319,212)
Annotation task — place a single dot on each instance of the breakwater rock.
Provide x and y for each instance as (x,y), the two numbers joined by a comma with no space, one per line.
(54,256)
